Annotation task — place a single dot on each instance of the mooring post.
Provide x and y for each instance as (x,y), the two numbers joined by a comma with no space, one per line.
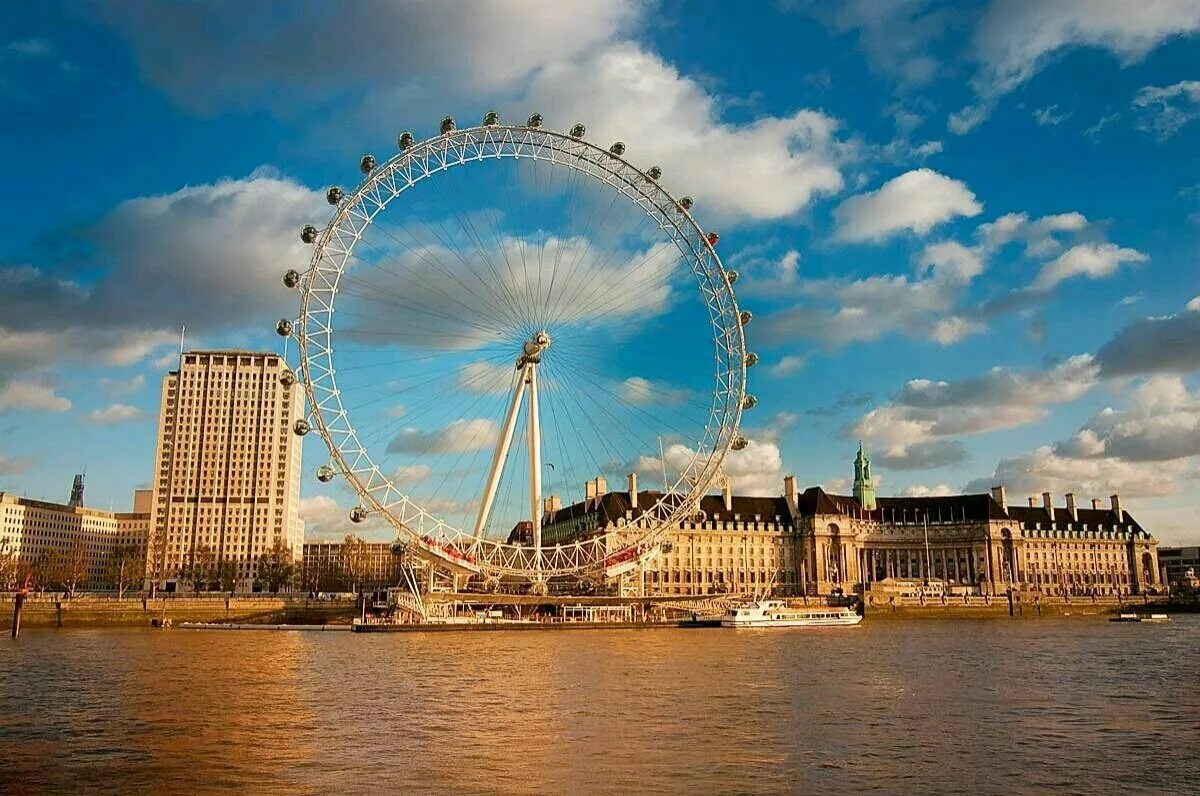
(18,603)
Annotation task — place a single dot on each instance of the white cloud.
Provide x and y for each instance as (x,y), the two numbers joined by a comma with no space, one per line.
(1050,116)
(950,261)
(460,436)
(1045,470)
(755,470)
(1093,260)
(123,386)
(920,490)
(402,47)
(115,413)
(787,366)
(772,167)
(31,396)
(1017,38)
(1002,398)
(411,474)
(1155,345)
(915,201)
(1166,110)
(641,391)
(1162,423)
(15,466)
(1041,237)
(953,328)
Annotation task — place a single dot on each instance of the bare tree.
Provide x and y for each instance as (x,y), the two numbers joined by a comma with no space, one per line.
(125,567)
(355,561)
(277,566)
(199,572)
(46,569)
(75,566)
(9,564)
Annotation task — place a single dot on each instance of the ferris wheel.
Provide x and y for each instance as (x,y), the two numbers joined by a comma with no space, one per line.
(497,322)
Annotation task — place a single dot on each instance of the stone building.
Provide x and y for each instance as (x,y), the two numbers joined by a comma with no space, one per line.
(227,465)
(817,543)
(31,530)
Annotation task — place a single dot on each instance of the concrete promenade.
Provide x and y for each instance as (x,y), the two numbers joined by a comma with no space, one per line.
(133,611)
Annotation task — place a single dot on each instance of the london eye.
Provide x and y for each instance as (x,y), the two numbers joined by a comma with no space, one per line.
(497,315)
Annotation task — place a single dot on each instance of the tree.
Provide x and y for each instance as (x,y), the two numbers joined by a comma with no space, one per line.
(199,572)
(125,567)
(356,561)
(277,566)
(227,574)
(75,566)
(46,569)
(9,564)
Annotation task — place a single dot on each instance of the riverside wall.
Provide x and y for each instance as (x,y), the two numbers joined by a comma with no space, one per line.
(1022,606)
(133,611)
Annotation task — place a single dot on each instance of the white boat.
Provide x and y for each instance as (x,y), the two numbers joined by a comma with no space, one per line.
(776,613)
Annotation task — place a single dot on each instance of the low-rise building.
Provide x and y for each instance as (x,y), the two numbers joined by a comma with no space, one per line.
(1180,566)
(332,566)
(817,543)
(64,544)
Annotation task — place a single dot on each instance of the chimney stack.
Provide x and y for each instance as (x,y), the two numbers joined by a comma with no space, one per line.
(1116,507)
(1047,505)
(1000,497)
(789,489)
(633,490)
(727,494)
(1071,507)
(1032,502)
(601,486)
(589,490)
(1095,504)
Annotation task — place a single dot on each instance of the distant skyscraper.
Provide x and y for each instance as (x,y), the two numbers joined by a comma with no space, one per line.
(227,465)
(76,491)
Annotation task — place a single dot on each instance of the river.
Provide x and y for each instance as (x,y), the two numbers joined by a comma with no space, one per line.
(1034,706)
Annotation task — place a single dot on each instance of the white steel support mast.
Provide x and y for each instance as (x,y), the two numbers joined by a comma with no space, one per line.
(526,382)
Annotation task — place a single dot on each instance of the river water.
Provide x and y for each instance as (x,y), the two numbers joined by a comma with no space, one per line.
(1035,706)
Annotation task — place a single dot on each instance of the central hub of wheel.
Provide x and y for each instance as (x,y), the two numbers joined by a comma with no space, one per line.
(532,351)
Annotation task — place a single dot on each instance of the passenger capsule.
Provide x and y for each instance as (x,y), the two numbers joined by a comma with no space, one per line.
(301,427)
(534,121)
(447,125)
(685,203)
(746,317)
(405,140)
(712,239)
(308,233)
(287,378)
(749,402)
(654,173)
(358,514)
(618,148)
(366,164)
(324,473)
(739,443)
(732,276)
(284,327)
(751,359)
(490,118)
(578,130)
(334,195)
(291,278)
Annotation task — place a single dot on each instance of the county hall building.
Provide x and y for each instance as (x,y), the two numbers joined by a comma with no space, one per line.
(818,543)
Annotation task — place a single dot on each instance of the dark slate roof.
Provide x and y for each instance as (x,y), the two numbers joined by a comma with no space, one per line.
(1029,516)
(613,505)
(816,500)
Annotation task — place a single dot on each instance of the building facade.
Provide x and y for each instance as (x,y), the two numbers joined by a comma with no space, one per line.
(1180,566)
(81,541)
(226,483)
(328,567)
(818,543)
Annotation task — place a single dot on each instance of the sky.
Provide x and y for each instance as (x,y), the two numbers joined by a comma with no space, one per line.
(969,233)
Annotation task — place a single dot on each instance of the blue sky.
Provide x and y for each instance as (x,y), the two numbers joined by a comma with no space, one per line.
(969,232)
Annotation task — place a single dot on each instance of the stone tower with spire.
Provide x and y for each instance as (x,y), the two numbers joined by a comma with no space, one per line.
(864,487)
